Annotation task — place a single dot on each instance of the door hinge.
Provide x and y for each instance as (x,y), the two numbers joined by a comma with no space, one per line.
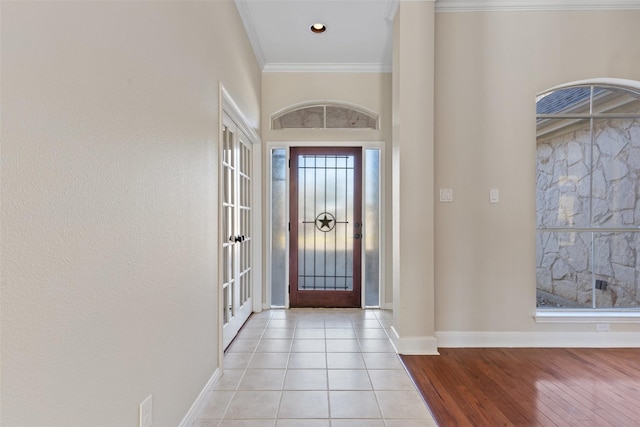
(289,226)
(289,163)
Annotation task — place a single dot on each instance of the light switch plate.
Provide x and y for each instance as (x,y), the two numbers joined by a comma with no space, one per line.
(494,195)
(446,195)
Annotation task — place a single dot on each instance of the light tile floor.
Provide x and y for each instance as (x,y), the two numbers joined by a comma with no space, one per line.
(314,368)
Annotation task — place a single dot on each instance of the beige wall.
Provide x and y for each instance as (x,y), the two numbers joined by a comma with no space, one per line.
(109,205)
(413,179)
(369,90)
(489,67)
(109,202)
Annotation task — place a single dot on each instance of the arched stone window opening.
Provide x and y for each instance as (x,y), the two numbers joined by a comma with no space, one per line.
(324,115)
(588,195)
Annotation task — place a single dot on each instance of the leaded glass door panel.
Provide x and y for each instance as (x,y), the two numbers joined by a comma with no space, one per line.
(326,227)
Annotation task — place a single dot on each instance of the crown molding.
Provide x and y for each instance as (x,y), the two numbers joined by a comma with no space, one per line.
(327,68)
(533,5)
(250,29)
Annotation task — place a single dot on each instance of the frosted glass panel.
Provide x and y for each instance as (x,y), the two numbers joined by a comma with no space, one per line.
(308,117)
(344,117)
(278,227)
(325,203)
(372,227)
(325,116)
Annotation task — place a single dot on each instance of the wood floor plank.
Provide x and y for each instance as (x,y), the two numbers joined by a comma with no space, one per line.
(530,387)
(433,390)
(597,381)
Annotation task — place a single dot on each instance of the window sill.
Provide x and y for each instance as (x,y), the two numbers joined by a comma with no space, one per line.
(586,316)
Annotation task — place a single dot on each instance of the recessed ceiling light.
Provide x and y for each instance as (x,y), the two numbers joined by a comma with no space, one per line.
(318,27)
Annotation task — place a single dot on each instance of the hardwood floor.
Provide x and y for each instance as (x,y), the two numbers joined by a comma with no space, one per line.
(530,386)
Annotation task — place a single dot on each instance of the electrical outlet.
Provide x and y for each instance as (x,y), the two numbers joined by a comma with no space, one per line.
(146,411)
(602,327)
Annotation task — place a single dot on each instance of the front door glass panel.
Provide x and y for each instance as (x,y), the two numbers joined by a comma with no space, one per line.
(326,201)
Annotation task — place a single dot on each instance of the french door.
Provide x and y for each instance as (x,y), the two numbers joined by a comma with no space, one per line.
(326,227)
(236,245)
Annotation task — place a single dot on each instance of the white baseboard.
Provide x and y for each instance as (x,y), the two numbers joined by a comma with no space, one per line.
(414,345)
(387,306)
(200,401)
(538,339)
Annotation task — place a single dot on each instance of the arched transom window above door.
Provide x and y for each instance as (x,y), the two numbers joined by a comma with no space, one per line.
(324,115)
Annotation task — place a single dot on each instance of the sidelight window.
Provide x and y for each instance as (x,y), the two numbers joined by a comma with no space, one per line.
(278,255)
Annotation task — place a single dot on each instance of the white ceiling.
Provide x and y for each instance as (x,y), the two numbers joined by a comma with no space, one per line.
(358,36)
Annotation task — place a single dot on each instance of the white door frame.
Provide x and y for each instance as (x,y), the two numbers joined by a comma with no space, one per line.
(227,107)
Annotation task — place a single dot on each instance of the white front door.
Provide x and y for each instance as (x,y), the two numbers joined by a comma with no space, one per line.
(236,233)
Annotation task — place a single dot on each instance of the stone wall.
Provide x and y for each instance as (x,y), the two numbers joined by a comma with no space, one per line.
(569,262)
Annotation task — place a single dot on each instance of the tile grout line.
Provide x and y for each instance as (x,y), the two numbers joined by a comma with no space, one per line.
(358,338)
(244,373)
